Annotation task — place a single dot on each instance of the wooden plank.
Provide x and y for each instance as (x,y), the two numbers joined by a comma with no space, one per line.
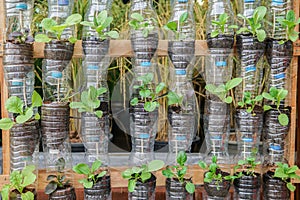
(2,26)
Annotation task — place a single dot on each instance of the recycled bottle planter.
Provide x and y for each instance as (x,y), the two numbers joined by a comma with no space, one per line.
(100,191)
(216,128)
(15,195)
(248,131)
(143,129)
(24,145)
(247,187)
(217,191)
(176,190)
(275,136)
(67,193)
(274,188)
(95,136)
(144,191)
(250,51)
(54,70)
(279,57)
(246,8)
(18,65)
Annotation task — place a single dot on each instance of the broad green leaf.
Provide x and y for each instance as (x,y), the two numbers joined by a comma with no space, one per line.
(28,179)
(51,187)
(136,170)
(14,105)
(174,98)
(293,36)
(6,123)
(292,169)
(282,93)
(258,98)
(183,17)
(228,100)
(42,38)
(48,23)
(24,118)
(214,33)
(86,183)
(207,180)
(82,168)
(137,16)
(127,173)
(145,93)
(58,29)
(101,174)
(98,113)
(223,17)
(268,96)
(291,187)
(145,176)
(171,26)
(267,107)
(209,174)
(168,173)
(220,89)
(283,119)
(290,16)
(134,101)
(242,162)
(86,23)
(261,35)
(210,87)
(160,87)
(181,158)
(92,93)
(76,105)
(155,165)
(190,187)
(37,100)
(101,17)
(101,90)
(107,22)
(259,13)
(113,34)
(150,106)
(243,29)
(72,39)
(5,192)
(233,83)
(73,19)
(27,196)
(131,185)
(202,164)
(214,159)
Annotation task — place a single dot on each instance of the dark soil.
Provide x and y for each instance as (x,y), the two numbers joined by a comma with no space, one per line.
(95,51)
(63,194)
(59,50)
(274,188)
(215,190)
(100,190)
(248,187)
(181,53)
(143,190)
(221,41)
(15,195)
(176,190)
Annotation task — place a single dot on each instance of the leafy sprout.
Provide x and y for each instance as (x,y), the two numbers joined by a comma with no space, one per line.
(255,22)
(55,29)
(174,98)
(249,103)
(141,174)
(248,165)
(147,94)
(100,23)
(23,113)
(138,22)
(19,180)
(175,26)
(222,90)
(286,174)
(289,23)
(89,101)
(220,25)
(91,173)
(276,96)
(179,172)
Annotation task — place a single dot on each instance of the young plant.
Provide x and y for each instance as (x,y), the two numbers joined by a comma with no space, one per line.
(18,37)
(21,113)
(19,180)
(276,96)
(147,94)
(248,165)
(138,22)
(141,174)
(213,173)
(222,90)
(286,174)
(175,26)
(249,103)
(289,23)
(100,23)
(179,172)
(221,25)
(91,174)
(89,101)
(255,23)
(56,30)
(174,98)
(57,181)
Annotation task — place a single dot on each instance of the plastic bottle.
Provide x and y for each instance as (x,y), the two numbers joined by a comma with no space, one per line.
(246,8)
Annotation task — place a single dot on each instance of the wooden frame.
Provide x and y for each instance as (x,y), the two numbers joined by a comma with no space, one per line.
(122,48)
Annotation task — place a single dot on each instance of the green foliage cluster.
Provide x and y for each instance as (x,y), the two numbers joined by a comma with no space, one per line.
(19,180)
(23,113)
(248,165)
(138,22)
(286,174)
(90,101)
(91,173)
(220,25)
(289,23)
(179,172)
(248,103)
(175,26)
(141,174)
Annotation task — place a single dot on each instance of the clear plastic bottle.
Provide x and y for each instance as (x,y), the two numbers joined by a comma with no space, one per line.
(60,10)
(276,10)
(19,15)
(246,8)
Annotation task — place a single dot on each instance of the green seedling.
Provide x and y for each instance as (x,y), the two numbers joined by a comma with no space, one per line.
(175,26)
(220,25)
(249,103)
(138,22)
(286,174)
(289,23)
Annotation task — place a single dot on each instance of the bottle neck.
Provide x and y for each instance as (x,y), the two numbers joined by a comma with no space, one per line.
(139,5)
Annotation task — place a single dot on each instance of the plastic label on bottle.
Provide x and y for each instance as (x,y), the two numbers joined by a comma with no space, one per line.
(145,64)
(144,136)
(180,137)
(56,74)
(221,63)
(63,2)
(17,83)
(249,1)
(275,147)
(218,8)
(216,138)
(182,1)
(21,6)
(279,76)
(54,151)
(277,2)
(251,69)
(93,67)
(28,158)
(180,72)
(247,139)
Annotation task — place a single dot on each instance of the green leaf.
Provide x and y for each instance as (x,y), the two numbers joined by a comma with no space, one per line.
(86,23)
(145,176)
(292,169)
(202,164)
(42,38)
(267,107)
(210,87)
(150,106)
(134,101)
(27,196)
(145,93)
(113,34)
(160,87)
(86,183)
(233,83)
(190,187)
(51,187)
(5,192)
(82,168)
(14,105)
(183,17)
(259,13)
(36,99)
(73,19)
(24,118)
(6,123)
(207,180)
(214,33)
(76,105)
(72,39)
(171,26)
(106,22)
(291,187)
(282,93)
(242,162)
(168,173)
(268,96)
(261,35)
(181,158)
(283,119)
(258,98)
(29,179)
(290,16)
(137,16)
(95,166)
(131,185)
(155,165)
(103,173)
(48,23)
(228,100)
(127,174)
(174,98)
(101,17)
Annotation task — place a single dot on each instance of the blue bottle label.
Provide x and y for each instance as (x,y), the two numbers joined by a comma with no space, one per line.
(144,136)
(182,1)
(249,1)
(93,67)
(181,137)
(251,69)
(63,2)
(216,137)
(275,147)
(145,64)
(278,2)
(56,74)
(17,83)
(247,139)
(21,6)
(221,63)
(279,76)
(180,72)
